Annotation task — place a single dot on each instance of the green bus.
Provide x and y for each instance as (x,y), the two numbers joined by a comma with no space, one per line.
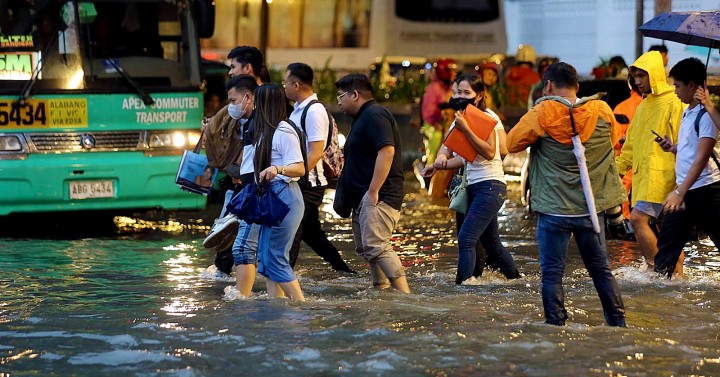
(98,101)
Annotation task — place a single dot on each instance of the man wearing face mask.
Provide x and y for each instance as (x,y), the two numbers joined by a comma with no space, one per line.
(223,145)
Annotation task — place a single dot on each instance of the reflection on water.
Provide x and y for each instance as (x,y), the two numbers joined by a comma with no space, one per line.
(138,301)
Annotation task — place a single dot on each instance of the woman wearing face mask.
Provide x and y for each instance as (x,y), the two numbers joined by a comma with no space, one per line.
(277,160)
(486,188)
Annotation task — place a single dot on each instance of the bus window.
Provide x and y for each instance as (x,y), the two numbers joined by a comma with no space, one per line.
(145,37)
(448,11)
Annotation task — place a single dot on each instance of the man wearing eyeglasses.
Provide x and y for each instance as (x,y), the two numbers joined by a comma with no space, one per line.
(372,179)
(312,118)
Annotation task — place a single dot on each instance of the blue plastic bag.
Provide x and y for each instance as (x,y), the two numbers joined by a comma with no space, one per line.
(259,204)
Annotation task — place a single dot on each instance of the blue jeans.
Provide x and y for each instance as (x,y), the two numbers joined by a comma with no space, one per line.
(553,234)
(274,242)
(244,250)
(481,224)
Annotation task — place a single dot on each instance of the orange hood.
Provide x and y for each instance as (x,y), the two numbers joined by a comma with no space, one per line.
(555,118)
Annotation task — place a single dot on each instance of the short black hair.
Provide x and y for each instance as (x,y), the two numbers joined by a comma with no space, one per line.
(659,48)
(562,74)
(356,81)
(302,72)
(248,55)
(689,70)
(242,82)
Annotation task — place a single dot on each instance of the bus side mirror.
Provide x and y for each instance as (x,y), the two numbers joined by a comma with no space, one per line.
(205,17)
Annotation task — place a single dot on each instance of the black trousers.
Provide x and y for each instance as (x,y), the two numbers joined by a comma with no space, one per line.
(702,209)
(310,231)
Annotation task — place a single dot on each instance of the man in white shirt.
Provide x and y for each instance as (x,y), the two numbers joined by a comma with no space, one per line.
(697,171)
(312,118)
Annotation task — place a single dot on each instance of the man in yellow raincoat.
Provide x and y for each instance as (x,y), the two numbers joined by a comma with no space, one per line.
(652,169)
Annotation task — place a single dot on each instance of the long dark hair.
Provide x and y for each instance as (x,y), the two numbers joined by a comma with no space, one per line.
(270,110)
(477,86)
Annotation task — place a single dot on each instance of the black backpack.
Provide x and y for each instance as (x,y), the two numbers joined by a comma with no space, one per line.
(303,182)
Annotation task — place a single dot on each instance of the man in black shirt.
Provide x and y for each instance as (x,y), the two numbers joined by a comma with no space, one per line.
(372,179)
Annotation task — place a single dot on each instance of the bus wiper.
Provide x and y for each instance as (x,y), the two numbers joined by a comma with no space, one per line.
(25,92)
(147,100)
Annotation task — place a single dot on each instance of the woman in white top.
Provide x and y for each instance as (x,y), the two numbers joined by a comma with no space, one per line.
(486,187)
(278,160)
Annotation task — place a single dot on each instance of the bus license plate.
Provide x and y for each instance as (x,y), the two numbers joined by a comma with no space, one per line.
(91,189)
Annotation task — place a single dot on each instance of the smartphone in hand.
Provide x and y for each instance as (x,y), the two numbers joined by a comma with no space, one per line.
(658,138)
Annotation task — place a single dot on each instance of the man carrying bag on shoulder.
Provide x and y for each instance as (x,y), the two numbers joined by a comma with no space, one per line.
(314,120)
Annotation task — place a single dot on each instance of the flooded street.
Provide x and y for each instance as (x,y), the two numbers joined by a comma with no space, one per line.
(135,298)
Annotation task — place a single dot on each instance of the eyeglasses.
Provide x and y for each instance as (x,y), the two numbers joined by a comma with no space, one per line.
(341,95)
(284,84)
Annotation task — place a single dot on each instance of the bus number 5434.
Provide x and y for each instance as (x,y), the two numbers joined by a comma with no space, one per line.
(27,114)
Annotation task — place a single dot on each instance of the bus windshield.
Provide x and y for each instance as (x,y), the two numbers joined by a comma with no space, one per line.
(66,46)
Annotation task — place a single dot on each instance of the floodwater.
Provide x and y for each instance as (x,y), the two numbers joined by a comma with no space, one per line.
(138,300)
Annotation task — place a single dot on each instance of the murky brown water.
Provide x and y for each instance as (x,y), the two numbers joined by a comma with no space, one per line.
(137,300)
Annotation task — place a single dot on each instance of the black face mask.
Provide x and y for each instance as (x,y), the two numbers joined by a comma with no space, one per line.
(459,104)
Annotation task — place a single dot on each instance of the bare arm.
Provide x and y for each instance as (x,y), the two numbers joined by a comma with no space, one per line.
(503,143)
(443,164)
(705,149)
(296,169)
(383,162)
(486,149)
(315,153)
(454,163)
(444,160)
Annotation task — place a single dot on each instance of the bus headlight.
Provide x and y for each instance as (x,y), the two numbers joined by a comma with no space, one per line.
(179,139)
(173,139)
(193,138)
(10,143)
(160,140)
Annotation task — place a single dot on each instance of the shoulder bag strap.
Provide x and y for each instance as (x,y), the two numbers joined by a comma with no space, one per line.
(464,178)
(305,112)
(199,144)
(301,137)
(697,133)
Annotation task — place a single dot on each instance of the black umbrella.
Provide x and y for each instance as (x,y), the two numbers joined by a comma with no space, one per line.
(689,28)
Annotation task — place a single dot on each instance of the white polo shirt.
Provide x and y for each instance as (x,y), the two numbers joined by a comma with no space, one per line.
(687,148)
(317,125)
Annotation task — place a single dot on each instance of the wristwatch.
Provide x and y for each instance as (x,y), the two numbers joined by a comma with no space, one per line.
(282,171)
(677,192)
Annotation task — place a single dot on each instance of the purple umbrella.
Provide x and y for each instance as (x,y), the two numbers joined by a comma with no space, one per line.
(689,28)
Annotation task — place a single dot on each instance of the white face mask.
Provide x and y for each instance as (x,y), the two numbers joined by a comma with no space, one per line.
(235,111)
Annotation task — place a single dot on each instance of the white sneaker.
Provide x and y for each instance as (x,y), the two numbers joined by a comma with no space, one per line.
(220,229)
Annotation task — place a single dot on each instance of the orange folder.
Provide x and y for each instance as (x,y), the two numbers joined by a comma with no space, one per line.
(481,125)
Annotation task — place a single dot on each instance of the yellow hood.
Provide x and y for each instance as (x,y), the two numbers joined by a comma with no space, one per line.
(652,63)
